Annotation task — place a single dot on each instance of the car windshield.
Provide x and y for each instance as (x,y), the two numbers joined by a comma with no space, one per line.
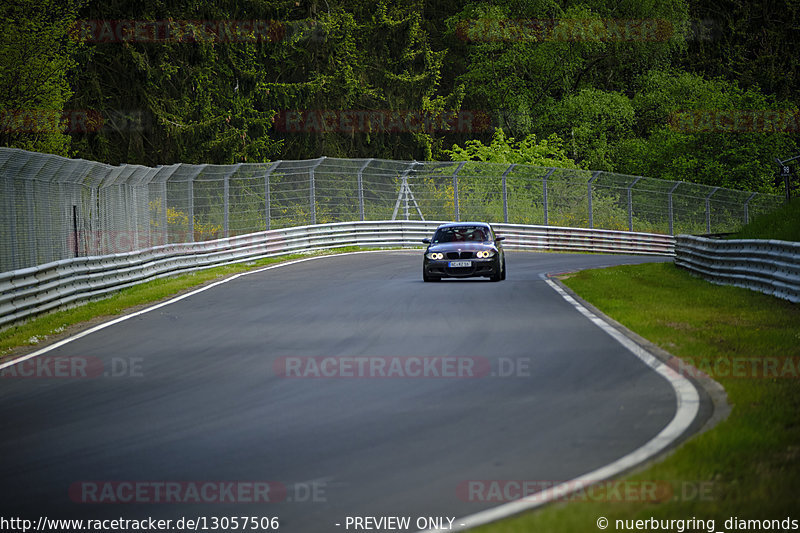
(461,233)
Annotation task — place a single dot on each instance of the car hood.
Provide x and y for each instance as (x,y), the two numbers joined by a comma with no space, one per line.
(461,246)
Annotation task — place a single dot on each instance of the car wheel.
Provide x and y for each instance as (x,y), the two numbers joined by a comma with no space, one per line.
(501,275)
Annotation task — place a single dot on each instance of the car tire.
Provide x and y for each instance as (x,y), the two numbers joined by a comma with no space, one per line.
(426,277)
(499,276)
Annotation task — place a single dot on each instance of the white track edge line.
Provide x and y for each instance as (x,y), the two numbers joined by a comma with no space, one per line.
(688,405)
(687,399)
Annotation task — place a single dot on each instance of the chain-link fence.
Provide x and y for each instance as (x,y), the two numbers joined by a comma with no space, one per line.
(56,208)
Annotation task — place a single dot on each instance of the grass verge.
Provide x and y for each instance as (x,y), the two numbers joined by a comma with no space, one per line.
(748,466)
(782,224)
(61,323)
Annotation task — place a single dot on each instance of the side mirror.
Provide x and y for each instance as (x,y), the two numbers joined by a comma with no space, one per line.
(498,239)
(426,241)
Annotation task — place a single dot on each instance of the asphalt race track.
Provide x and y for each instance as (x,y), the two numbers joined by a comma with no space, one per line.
(197,392)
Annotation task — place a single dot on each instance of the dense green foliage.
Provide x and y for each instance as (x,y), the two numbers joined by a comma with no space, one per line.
(624,86)
(36,58)
(782,224)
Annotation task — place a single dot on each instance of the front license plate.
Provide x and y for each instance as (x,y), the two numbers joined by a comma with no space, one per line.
(459,264)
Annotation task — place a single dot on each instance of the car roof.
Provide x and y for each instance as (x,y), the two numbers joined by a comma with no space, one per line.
(459,224)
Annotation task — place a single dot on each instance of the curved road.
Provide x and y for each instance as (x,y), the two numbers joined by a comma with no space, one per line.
(197,392)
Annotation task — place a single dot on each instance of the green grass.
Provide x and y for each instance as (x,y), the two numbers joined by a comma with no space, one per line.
(38,329)
(782,224)
(748,465)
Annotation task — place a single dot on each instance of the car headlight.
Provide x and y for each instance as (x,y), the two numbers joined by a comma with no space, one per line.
(485,254)
(435,256)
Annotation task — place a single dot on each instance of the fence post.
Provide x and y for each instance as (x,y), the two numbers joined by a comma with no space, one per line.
(226,204)
(589,185)
(312,192)
(456,210)
(191,200)
(11,219)
(164,211)
(505,192)
(267,199)
(226,201)
(747,208)
(708,209)
(51,255)
(190,205)
(31,216)
(669,201)
(63,228)
(361,189)
(544,186)
(75,229)
(131,218)
(94,216)
(630,203)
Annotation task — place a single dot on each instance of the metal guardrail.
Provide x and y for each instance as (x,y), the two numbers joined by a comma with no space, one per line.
(54,208)
(30,291)
(768,266)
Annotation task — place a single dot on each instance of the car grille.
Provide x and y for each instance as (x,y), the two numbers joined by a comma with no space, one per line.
(459,255)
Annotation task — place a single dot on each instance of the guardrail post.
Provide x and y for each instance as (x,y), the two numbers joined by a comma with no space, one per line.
(267,199)
(361,189)
(669,201)
(747,208)
(456,210)
(544,185)
(630,203)
(505,192)
(708,209)
(591,211)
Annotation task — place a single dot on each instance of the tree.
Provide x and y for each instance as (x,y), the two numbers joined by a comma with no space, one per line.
(707,131)
(594,122)
(523,58)
(36,53)
(529,151)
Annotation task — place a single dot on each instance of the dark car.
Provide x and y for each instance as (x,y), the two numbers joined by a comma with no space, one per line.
(463,250)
